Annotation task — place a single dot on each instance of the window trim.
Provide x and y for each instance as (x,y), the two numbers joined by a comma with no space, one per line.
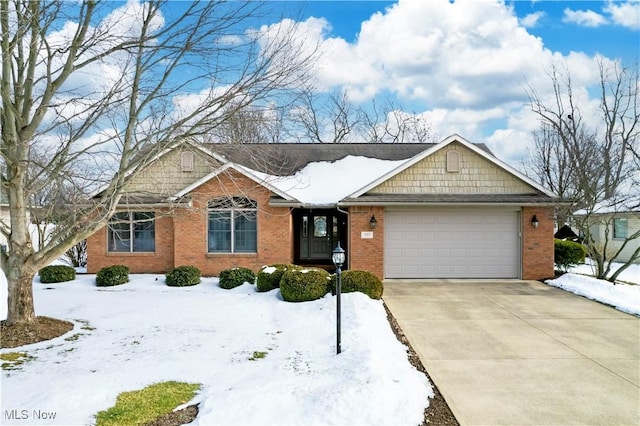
(132,230)
(187,161)
(234,206)
(453,161)
(617,228)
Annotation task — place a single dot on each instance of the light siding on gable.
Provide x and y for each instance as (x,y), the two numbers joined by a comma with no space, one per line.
(165,175)
(476,176)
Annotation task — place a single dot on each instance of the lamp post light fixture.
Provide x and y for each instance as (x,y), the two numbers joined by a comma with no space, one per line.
(338,258)
(534,221)
(373,222)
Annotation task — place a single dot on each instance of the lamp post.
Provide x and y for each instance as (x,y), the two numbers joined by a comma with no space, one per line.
(338,260)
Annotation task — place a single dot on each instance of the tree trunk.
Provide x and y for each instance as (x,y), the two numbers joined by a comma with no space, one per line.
(20,309)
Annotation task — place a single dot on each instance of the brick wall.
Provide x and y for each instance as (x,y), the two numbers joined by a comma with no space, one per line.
(182,238)
(275,240)
(537,243)
(366,254)
(161,261)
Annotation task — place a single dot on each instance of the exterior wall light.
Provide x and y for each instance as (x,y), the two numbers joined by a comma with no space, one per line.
(534,221)
(338,258)
(373,222)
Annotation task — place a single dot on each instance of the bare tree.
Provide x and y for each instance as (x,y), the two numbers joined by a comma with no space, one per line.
(591,162)
(101,90)
(334,118)
(248,124)
(389,123)
(331,118)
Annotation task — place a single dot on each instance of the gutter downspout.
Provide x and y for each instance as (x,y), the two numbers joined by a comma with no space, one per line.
(348,257)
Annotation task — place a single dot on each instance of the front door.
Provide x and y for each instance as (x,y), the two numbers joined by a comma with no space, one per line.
(320,236)
(318,233)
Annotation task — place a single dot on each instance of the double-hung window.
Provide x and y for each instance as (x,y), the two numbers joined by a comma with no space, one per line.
(620,228)
(232,225)
(132,232)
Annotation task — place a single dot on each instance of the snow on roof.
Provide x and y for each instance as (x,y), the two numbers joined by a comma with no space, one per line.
(325,183)
(612,205)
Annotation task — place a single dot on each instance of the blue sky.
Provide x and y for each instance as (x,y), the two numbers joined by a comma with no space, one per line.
(553,27)
(464,65)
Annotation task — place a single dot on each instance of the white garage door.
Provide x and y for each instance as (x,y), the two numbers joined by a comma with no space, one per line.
(452,244)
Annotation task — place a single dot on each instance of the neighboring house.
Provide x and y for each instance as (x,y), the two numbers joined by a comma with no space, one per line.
(613,225)
(446,210)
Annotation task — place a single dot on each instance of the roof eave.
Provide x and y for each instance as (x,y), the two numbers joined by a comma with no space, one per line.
(302,205)
(444,204)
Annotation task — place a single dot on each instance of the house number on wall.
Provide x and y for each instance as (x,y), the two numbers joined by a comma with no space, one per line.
(366,235)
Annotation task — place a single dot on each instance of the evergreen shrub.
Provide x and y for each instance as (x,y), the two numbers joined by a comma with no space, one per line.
(112,275)
(183,276)
(269,276)
(362,281)
(302,285)
(234,277)
(568,253)
(56,274)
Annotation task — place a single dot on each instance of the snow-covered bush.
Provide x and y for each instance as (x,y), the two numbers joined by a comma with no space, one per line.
(269,276)
(362,281)
(231,278)
(112,275)
(302,285)
(183,276)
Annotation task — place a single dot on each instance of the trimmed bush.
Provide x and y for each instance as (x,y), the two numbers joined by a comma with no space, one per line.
(112,275)
(302,285)
(568,253)
(234,277)
(183,276)
(56,274)
(270,275)
(362,281)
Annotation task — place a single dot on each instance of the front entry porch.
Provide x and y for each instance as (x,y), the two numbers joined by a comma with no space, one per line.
(316,233)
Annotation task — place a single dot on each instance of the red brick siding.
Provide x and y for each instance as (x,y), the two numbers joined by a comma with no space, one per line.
(366,254)
(182,239)
(161,261)
(537,243)
(275,239)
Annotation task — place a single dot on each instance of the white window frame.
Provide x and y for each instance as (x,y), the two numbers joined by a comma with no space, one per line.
(234,206)
(616,228)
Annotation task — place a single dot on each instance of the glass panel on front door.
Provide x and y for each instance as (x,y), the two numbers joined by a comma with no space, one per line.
(320,226)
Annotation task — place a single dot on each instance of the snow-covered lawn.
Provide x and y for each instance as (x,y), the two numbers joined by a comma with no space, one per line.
(625,297)
(629,275)
(143,332)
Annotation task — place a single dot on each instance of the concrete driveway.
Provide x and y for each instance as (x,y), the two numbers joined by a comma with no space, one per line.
(522,353)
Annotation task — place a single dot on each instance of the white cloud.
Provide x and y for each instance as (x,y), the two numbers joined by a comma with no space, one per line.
(445,54)
(531,20)
(625,14)
(509,144)
(585,18)
(463,66)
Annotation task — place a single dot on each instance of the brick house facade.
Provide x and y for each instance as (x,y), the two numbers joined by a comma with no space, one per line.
(451,210)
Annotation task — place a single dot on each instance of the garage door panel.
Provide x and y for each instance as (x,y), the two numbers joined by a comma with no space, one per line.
(427,252)
(427,235)
(452,244)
